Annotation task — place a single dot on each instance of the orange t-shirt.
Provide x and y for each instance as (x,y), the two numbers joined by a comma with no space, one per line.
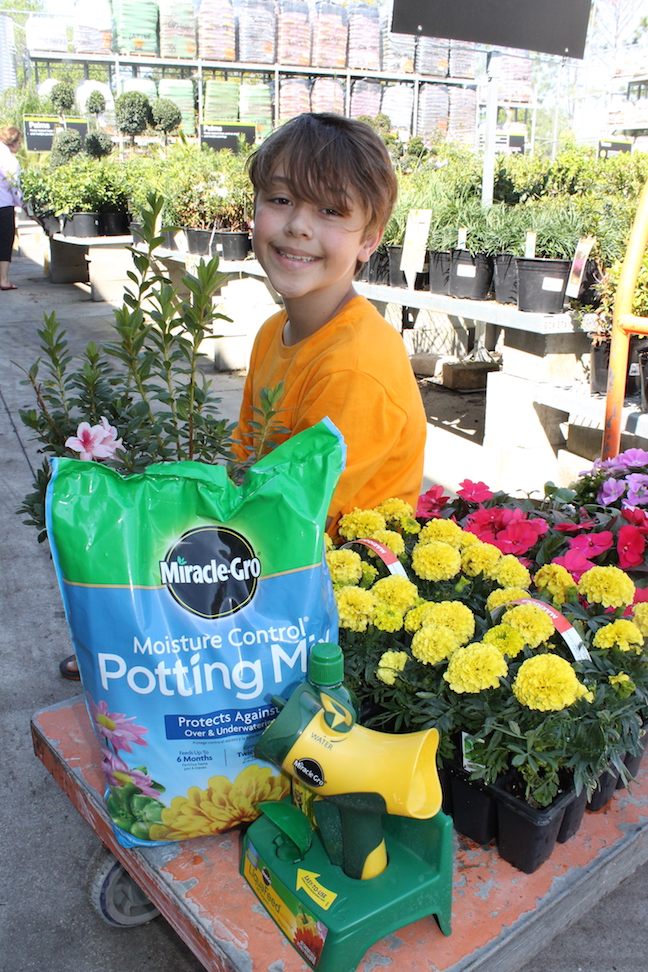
(355,370)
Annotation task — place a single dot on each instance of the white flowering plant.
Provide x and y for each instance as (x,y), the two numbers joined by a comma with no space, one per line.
(534,670)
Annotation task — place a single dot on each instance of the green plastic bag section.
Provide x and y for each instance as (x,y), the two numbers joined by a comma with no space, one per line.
(103,530)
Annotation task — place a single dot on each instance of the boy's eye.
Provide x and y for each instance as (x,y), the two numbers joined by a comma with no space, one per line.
(331,212)
(280,200)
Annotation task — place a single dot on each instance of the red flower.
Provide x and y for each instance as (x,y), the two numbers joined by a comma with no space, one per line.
(431,503)
(641,594)
(474,492)
(631,544)
(575,562)
(574,527)
(592,544)
(518,537)
(637,517)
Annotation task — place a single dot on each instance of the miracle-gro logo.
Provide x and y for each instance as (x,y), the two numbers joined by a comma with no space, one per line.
(211,571)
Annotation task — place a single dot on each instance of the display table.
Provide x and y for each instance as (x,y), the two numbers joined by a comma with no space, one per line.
(101,261)
(500,918)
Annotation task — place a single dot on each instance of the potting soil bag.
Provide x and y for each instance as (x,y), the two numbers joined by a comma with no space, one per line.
(191,602)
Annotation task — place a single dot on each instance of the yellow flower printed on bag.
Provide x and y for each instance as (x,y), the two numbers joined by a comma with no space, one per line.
(223,805)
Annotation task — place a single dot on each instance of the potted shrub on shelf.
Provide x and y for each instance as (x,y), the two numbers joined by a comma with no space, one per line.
(471,267)
(38,198)
(77,196)
(542,280)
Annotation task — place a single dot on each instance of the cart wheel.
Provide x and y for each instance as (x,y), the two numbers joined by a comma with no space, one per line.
(114,895)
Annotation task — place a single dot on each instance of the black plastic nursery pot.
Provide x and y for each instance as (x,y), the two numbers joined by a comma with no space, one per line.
(396,276)
(201,242)
(542,284)
(170,240)
(50,223)
(505,282)
(573,818)
(135,231)
(378,270)
(81,224)
(604,791)
(526,836)
(113,224)
(471,274)
(637,368)
(439,263)
(235,244)
(474,808)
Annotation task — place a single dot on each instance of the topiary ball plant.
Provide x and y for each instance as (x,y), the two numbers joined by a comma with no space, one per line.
(132,113)
(166,116)
(65,146)
(98,144)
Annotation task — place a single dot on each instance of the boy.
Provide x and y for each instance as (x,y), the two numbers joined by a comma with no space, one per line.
(324,190)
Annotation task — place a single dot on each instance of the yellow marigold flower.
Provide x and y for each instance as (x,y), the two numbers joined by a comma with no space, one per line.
(508,639)
(622,634)
(640,617)
(223,805)
(328,543)
(445,530)
(557,581)
(390,664)
(345,567)
(391,539)
(509,572)
(387,617)
(531,621)
(397,591)
(476,667)
(435,561)
(433,643)
(618,679)
(360,523)
(455,615)
(480,558)
(500,597)
(548,683)
(356,608)
(369,574)
(399,513)
(467,538)
(419,615)
(609,586)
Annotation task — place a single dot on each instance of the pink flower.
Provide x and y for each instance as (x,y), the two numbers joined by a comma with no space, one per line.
(431,503)
(116,727)
(474,492)
(631,544)
(119,773)
(575,527)
(95,441)
(638,518)
(610,491)
(592,544)
(575,562)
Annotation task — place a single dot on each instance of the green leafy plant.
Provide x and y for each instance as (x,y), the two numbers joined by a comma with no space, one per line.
(95,104)
(65,145)
(166,116)
(62,97)
(132,113)
(98,144)
(146,383)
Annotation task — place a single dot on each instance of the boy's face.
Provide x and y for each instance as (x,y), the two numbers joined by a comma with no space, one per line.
(307,248)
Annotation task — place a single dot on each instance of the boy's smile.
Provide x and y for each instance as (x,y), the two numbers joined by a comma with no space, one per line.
(309,250)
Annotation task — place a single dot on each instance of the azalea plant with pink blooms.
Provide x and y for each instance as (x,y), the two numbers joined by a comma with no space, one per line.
(140,398)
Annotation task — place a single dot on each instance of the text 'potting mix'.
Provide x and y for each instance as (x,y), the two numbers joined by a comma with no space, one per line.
(211,571)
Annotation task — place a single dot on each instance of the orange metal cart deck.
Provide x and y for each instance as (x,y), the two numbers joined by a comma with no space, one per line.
(500,916)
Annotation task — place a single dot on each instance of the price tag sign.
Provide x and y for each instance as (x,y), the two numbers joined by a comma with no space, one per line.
(415,243)
(530,245)
(583,249)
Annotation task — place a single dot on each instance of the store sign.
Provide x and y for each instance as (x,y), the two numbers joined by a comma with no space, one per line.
(41,129)
(551,26)
(610,150)
(226,135)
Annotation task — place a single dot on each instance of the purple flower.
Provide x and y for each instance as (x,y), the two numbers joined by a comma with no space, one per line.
(627,459)
(637,494)
(610,491)
(118,773)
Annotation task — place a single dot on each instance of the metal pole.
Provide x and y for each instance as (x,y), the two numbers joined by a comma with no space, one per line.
(488,172)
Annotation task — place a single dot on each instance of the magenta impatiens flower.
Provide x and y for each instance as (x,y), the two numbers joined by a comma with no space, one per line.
(592,544)
(431,503)
(116,727)
(575,562)
(95,441)
(474,492)
(119,773)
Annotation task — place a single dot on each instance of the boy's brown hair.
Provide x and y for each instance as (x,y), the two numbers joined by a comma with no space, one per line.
(323,157)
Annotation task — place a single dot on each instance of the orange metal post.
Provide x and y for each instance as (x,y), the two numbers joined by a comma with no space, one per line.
(624,323)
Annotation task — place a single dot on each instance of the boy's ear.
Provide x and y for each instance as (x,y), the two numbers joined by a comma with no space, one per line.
(370,245)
